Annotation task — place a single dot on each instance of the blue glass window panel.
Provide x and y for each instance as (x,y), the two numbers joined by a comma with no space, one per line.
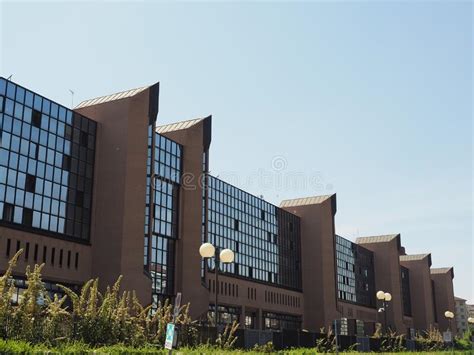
(60,144)
(3,86)
(24,146)
(53,125)
(36,219)
(48,186)
(38,202)
(3,175)
(17,127)
(23,163)
(15,144)
(20,94)
(11,90)
(54,110)
(61,225)
(35,134)
(2,193)
(54,207)
(67,147)
(62,114)
(49,172)
(39,186)
(42,153)
(50,156)
(29,99)
(28,200)
(25,132)
(51,140)
(56,191)
(7,123)
(10,197)
(27,114)
(46,204)
(13,163)
(31,167)
(46,106)
(20,194)
(9,107)
(18,110)
(37,103)
(43,137)
(60,129)
(18,214)
(21,179)
(3,157)
(6,138)
(62,209)
(44,221)
(41,169)
(44,121)
(53,225)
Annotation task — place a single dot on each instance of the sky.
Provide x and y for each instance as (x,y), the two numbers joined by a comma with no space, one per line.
(369,100)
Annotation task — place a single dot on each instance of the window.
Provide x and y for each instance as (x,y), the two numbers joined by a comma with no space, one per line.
(44,168)
(27,217)
(234,220)
(8,212)
(8,247)
(36,118)
(30,183)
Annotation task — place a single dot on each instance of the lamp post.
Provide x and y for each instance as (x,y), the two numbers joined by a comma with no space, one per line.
(449,316)
(207,250)
(385,298)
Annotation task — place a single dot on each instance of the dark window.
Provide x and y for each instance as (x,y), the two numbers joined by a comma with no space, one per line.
(60,258)
(18,246)
(30,183)
(262,215)
(66,164)
(36,118)
(8,212)
(35,255)
(68,258)
(53,252)
(236,224)
(27,250)
(44,254)
(84,139)
(27,217)
(76,263)
(79,198)
(8,246)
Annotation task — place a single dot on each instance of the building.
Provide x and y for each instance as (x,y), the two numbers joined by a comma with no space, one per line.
(461,314)
(105,190)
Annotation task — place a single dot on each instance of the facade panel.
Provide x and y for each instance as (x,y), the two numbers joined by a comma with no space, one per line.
(46,165)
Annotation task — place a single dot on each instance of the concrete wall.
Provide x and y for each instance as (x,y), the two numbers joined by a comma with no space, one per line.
(118,214)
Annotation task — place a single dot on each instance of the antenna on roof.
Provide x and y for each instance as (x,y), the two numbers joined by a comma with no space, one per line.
(72,98)
(10,77)
(262,197)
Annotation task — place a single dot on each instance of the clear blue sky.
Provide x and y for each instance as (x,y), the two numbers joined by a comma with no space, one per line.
(370,100)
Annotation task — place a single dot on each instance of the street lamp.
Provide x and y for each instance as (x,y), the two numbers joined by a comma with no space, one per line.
(384,297)
(449,315)
(207,250)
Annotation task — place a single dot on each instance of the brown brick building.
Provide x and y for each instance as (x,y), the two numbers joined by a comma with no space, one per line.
(104,190)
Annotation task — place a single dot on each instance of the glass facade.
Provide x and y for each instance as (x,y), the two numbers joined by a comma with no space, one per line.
(163,188)
(405,275)
(355,273)
(264,238)
(46,165)
(276,321)
(225,315)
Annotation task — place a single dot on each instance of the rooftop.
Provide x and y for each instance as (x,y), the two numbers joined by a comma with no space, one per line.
(112,97)
(177,126)
(377,239)
(314,200)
